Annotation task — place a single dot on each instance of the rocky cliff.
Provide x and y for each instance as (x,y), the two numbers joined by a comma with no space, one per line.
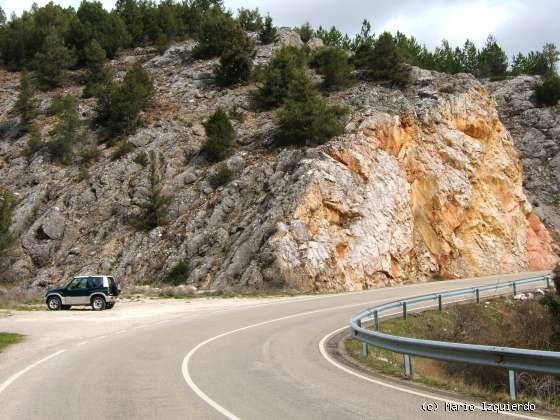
(424,182)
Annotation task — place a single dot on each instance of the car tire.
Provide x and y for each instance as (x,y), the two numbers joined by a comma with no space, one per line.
(98,303)
(54,303)
(109,305)
(65,307)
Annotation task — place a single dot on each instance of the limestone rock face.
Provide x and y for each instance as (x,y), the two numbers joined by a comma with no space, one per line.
(423,182)
(536,134)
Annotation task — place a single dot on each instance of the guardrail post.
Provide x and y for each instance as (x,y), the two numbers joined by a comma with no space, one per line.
(477,296)
(514,288)
(548,282)
(512,385)
(439,302)
(404,310)
(365,349)
(407,366)
(376,320)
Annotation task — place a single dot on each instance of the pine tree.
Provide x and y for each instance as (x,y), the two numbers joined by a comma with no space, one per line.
(332,63)
(385,61)
(469,62)
(268,34)
(99,73)
(548,91)
(305,32)
(236,62)
(25,103)
(53,60)
(7,237)
(2,17)
(493,61)
(220,136)
(155,203)
(250,20)
(67,130)
(34,142)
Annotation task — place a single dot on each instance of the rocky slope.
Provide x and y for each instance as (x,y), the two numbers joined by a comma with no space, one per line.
(536,134)
(423,182)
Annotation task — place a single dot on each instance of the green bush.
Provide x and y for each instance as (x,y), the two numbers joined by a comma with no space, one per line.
(236,62)
(53,60)
(332,63)
(7,237)
(268,33)
(250,19)
(34,142)
(287,64)
(120,103)
(67,130)
(309,121)
(155,202)
(221,177)
(178,274)
(548,91)
(98,73)
(220,136)
(305,32)
(385,61)
(25,103)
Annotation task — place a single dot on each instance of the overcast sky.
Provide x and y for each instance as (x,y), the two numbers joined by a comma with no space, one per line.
(519,25)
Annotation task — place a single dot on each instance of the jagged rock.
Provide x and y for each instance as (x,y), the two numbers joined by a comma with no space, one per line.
(315,43)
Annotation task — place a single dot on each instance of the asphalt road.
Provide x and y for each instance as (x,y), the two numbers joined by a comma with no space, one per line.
(259,361)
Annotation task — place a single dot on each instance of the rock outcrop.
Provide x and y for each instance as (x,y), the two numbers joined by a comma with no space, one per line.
(423,182)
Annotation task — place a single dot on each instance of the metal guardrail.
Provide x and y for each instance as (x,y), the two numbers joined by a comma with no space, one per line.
(513,359)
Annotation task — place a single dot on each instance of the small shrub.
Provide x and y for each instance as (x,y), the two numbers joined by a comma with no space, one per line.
(221,136)
(548,91)
(34,142)
(141,159)
(268,34)
(178,274)
(221,177)
(83,175)
(162,43)
(332,63)
(124,147)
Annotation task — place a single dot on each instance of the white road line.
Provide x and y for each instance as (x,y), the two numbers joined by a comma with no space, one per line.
(12,378)
(185,366)
(329,359)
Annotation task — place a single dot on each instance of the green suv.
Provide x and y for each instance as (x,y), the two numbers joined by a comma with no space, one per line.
(98,291)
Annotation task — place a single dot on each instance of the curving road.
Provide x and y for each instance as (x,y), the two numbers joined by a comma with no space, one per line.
(259,361)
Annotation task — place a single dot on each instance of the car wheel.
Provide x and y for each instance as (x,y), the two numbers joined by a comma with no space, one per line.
(65,307)
(98,303)
(54,303)
(109,306)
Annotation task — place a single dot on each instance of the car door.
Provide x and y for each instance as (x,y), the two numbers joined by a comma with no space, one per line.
(95,284)
(77,292)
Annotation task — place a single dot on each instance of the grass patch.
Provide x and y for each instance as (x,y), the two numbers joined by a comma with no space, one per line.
(7,339)
(500,322)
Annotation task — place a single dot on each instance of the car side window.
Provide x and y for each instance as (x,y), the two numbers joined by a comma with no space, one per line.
(80,283)
(95,283)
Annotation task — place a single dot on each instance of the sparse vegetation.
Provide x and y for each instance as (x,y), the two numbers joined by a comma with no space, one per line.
(220,136)
(7,237)
(178,274)
(124,147)
(141,159)
(34,142)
